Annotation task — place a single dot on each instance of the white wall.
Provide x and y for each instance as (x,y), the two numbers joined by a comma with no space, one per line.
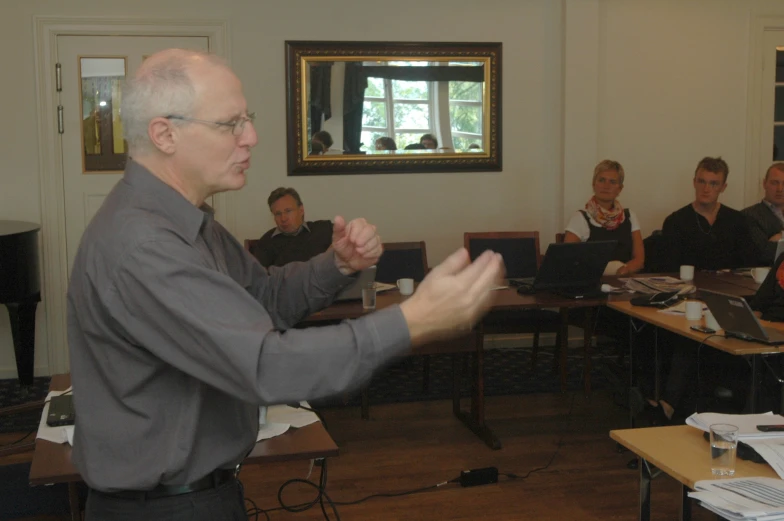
(655,84)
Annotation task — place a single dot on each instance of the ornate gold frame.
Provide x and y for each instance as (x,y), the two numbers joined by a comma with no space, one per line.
(299,53)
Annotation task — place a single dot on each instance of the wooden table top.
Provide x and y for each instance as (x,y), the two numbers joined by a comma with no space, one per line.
(682,452)
(52,461)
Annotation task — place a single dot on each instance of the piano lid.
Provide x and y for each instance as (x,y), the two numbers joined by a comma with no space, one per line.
(17,227)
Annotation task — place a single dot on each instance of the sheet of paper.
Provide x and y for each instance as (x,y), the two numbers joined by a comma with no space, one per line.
(383,286)
(680,308)
(743,498)
(297,418)
(270,430)
(772,451)
(746,423)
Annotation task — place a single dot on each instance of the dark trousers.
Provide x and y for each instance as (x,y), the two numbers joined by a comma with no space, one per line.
(224,503)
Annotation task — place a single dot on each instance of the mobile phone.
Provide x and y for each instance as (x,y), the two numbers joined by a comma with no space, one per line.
(770,428)
(703,329)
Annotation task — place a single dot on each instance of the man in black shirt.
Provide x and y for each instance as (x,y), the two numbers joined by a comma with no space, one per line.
(705,233)
(709,236)
(293,239)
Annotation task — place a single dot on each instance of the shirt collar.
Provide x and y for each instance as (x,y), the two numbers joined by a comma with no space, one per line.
(304,226)
(775,209)
(179,210)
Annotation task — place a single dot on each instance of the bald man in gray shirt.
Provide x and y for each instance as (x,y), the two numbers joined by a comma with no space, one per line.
(177,334)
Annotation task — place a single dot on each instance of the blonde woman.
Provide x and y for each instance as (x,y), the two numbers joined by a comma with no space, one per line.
(604,219)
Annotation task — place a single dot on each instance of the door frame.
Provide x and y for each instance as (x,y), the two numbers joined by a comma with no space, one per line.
(54,260)
(754,170)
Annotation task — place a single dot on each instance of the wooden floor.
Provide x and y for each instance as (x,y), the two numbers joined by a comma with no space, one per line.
(408,446)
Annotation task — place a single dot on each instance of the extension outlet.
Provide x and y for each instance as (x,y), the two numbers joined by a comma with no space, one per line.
(475,477)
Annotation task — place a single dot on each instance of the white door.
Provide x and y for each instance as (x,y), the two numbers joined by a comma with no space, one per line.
(771,145)
(93,70)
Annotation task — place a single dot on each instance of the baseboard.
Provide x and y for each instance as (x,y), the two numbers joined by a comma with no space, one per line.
(9,371)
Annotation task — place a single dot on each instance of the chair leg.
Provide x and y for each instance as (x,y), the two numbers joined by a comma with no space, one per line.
(587,336)
(535,349)
(425,374)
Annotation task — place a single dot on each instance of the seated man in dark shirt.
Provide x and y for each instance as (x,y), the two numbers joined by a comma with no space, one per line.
(709,236)
(766,219)
(292,239)
(705,233)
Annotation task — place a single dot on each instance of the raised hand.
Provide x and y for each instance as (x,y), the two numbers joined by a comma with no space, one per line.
(357,245)
(453,297)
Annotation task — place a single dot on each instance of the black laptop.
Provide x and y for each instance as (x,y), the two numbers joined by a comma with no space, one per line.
(738,320)
(61,411)
(575,269)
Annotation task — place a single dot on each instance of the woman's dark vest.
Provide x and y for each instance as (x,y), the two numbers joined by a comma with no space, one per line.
(622,234)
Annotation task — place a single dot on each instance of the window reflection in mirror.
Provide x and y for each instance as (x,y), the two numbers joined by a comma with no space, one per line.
(428,110)
(101,80)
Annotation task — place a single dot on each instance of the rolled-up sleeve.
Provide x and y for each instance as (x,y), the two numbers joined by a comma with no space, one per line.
(167,301)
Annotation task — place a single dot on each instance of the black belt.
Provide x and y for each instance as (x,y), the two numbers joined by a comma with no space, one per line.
(214,479)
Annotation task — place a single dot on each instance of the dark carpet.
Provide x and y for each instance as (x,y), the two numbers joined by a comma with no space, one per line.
(20,500)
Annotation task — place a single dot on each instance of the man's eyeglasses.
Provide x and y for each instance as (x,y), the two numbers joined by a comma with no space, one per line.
(237,125)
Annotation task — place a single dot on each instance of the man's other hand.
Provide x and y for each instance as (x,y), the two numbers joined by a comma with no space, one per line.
(454,296)
(357,245)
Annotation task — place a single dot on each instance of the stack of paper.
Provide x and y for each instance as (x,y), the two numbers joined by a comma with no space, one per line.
(652,285)
(759,499)
(746,423)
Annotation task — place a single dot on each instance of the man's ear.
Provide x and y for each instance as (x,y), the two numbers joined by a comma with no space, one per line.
(163,135)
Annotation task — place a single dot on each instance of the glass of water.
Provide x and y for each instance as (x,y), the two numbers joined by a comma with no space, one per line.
(724,447)
(369,297)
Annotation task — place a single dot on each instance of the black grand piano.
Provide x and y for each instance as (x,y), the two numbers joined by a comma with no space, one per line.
(20,289)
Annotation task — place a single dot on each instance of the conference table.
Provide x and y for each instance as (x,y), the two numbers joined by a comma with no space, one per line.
(509,300)
(681,452)
(52,461)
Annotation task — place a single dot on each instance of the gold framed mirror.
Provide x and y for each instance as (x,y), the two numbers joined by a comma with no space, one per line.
(392,107)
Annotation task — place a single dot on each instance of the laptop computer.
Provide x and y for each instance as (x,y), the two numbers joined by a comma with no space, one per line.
(574,269)
(519,256)
(354,290)
(738,320)
(61,411)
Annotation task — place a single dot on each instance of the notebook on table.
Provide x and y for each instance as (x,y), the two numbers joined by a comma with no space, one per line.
(61,411)
(738,320)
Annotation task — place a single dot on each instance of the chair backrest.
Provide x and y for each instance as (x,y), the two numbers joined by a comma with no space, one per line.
(250,243)
(560,237)
(520,250)
(402,260)
(655,253)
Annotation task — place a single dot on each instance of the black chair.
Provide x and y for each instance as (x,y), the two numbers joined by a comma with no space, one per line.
(522,258)
(655,253)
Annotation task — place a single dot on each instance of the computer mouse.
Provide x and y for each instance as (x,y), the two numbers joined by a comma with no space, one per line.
(606,288)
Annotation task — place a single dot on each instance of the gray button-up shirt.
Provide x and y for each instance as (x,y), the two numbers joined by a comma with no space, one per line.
(177,334)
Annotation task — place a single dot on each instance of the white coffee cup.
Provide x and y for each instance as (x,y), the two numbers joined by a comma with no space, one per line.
(262,414)
(710,321)
(693,310)
(406,286)
(687,273)
(760,274)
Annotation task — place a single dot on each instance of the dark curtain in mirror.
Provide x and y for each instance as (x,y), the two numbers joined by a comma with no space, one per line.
(353,98)
(320,92)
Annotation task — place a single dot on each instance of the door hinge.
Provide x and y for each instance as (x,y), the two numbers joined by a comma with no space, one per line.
(58,77)
(60,119)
